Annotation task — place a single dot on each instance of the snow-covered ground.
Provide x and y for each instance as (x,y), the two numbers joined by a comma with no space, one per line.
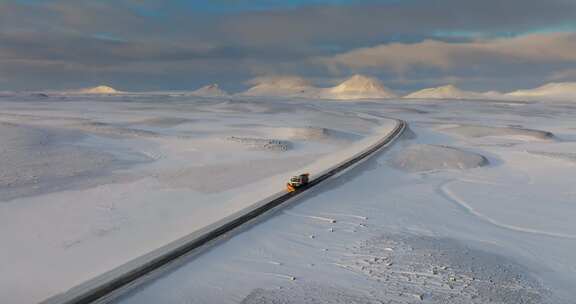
(474,205)
(89,182)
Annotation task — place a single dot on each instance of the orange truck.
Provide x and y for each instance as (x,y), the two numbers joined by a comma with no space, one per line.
(297,182)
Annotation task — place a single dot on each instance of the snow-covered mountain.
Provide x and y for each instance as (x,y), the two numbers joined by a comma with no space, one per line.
(564,91)
(356,87)
(359,87)
(448,92)
(97,90)
(212,90)
(286,86)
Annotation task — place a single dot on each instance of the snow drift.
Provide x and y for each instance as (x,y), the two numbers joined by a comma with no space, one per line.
(418,158)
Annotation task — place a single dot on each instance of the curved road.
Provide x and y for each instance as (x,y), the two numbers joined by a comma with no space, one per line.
(141,269)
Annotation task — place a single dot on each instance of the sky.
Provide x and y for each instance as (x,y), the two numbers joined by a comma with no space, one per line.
(141,45)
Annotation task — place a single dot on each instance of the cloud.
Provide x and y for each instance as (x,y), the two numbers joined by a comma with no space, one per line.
(564,75)
(124,40)
(402,57)
(98,51)
(396,20)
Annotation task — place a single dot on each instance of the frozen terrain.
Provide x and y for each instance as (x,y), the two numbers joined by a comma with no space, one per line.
(475,205)
(418,158)
(89,182)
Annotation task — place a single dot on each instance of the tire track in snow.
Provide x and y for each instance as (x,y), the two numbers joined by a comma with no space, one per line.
(364,218)
(314,217)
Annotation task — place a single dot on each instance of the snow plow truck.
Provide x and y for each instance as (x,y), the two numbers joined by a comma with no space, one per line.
(297,182)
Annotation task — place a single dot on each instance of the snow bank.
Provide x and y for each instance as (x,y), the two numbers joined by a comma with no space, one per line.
(451,92)
(559,91)
(505,132)
(359,87)
(417,158)
(212,90)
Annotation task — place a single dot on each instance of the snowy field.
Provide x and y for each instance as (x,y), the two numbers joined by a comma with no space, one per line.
(88,183)
(476,204)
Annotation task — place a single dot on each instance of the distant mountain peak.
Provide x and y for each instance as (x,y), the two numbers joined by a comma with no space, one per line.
(550,89)
(102,89)
(281,86)
(450,91)
(210,90)
(360,86)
